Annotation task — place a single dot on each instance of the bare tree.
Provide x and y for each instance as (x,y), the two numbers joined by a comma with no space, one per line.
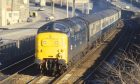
(125,71)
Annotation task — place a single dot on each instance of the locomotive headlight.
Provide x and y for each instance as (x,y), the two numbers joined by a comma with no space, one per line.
(44,42)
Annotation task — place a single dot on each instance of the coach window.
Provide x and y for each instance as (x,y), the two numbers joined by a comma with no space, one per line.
(111,18)
(104,22)
(100,23)
(118,14)
(97,26)
(92,29)
(107,21)
(114,17)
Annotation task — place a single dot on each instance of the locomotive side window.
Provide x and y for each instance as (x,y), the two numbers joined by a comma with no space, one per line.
(77,29)
(72,32)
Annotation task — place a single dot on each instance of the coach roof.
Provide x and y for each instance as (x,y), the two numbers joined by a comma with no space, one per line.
(99,15)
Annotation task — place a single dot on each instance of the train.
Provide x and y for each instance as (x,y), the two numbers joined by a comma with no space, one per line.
(61,43)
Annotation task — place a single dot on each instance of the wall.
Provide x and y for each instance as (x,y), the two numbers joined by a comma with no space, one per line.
(2,12)
(12,17)
(16,50)
(9,8)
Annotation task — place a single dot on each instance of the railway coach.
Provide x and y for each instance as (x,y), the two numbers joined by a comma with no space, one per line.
(60,44)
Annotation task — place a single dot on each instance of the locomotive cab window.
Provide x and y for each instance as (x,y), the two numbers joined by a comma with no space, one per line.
(45,28)
(60,27)
(53,27)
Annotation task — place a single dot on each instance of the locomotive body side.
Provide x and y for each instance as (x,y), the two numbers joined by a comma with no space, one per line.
(77,39)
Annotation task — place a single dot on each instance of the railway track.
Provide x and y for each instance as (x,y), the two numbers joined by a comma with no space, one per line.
(17,77)
(43,80)
(23,72)
(9,73)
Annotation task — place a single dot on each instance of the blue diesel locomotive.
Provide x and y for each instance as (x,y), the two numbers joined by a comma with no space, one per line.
(59,44)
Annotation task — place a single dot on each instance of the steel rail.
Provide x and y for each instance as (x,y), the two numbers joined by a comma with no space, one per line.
(37,80)
(33,80)
(14,64)
(18,61)
(15,74)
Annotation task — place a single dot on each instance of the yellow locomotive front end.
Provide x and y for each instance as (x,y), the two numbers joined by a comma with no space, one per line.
(51,50)
(52,45)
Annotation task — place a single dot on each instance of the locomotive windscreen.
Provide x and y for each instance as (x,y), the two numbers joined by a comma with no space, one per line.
(53,27)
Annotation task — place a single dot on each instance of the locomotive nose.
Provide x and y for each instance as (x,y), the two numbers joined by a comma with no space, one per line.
(52,46)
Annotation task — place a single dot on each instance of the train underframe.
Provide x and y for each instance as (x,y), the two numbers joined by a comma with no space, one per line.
(52,67)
